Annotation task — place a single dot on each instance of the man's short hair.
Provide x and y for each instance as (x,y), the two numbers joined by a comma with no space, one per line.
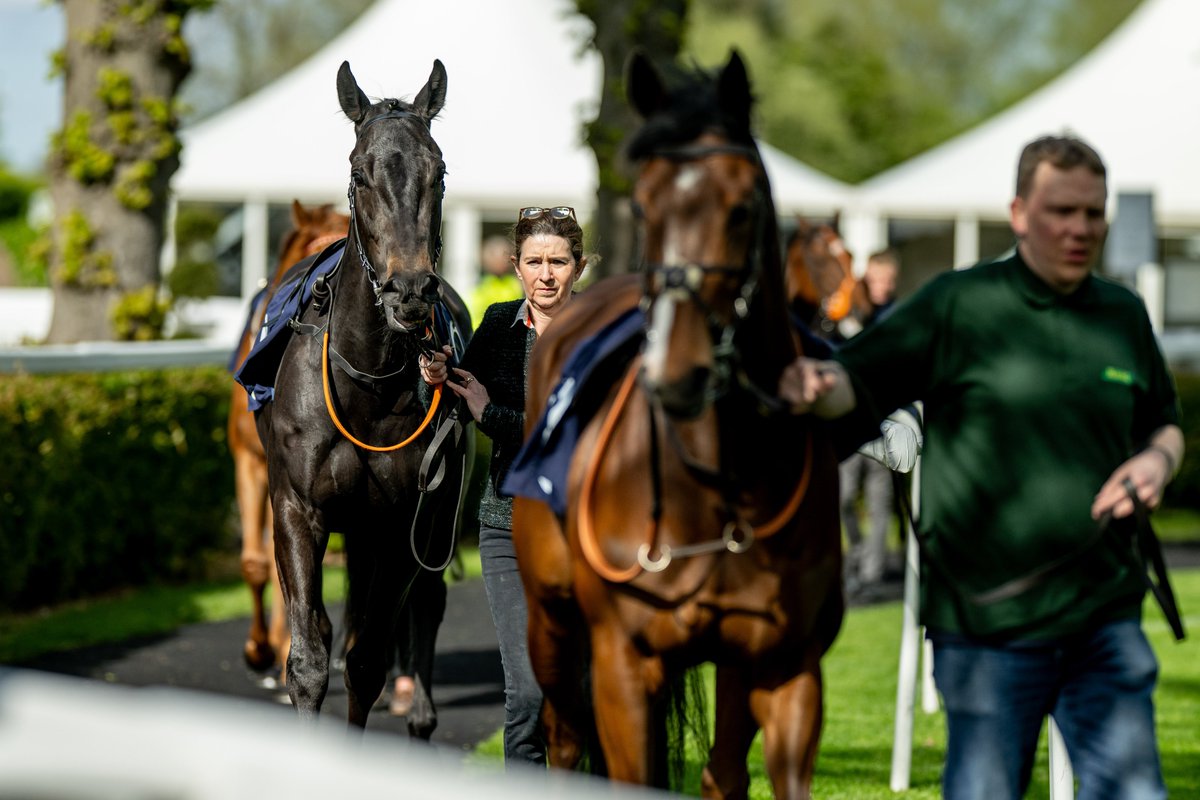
(886,256)
(1061,152)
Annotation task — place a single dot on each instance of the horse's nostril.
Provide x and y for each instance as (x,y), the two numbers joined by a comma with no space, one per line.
(431,288)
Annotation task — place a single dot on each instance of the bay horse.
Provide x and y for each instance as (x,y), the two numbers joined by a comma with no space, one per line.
(701,519)
(350,422)
(820,284)
(313,228)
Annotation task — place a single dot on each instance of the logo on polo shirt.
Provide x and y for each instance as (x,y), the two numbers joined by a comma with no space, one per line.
(1117,375)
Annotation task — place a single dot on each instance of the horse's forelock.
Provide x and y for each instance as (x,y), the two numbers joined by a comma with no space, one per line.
(692,108)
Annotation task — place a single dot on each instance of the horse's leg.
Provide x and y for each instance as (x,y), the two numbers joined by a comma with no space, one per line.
(300,541)
(372,606)
(557,658)
(725,776)
(623,683)
(790,715)
(250,483)
(426,606)
(277,634)
(557,639)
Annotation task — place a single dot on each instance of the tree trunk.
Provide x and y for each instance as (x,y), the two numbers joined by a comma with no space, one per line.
(112,161)
(656,27)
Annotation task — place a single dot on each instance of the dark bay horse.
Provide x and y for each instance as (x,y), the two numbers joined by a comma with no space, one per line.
(352,419)
(313,228)
(820,283)
(702,519)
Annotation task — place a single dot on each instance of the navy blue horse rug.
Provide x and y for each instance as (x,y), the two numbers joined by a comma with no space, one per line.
(539,470)
(259,369)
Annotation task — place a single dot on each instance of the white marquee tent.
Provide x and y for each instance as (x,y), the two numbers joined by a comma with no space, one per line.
(520,85)
(1135,97)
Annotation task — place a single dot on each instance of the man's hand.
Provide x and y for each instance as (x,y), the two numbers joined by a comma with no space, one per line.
(816,387)
(1145,474)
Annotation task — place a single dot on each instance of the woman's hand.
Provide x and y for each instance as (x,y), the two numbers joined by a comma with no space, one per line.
(433,367)
(472,391)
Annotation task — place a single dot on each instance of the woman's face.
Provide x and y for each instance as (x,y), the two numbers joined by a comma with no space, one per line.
(547,271)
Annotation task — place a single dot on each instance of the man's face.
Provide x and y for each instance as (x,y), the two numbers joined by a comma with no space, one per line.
(1060,226)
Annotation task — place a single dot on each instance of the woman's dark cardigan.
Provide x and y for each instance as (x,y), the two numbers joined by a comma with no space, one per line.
(498,357)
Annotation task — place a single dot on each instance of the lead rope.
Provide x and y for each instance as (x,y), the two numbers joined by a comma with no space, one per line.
(433,405)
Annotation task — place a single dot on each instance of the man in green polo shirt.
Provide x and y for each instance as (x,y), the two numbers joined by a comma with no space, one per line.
(1046,401)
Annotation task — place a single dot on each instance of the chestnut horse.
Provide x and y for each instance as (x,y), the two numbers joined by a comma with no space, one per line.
(702,517)
(819,280)
(266,644)
(351,419)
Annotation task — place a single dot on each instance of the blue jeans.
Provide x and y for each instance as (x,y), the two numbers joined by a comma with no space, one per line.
(1096,686)
(523,738)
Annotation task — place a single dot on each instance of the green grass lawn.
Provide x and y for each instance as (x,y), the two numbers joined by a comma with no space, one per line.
(147,611)
(860,678)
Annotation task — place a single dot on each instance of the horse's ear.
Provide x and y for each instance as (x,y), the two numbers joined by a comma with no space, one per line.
(643,85)
(354,102)
(298,214)
(432,96)
(733,89)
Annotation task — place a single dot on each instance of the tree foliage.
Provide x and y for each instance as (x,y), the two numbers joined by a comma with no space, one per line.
(853,87)
(243,45)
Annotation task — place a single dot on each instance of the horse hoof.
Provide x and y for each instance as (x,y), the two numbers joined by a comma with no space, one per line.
(259,655)
(402,697)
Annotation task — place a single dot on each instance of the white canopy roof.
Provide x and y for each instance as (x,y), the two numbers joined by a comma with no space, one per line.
(1135,98)
(520,84)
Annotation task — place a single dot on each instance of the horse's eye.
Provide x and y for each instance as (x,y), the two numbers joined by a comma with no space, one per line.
(738,215)
(358,178)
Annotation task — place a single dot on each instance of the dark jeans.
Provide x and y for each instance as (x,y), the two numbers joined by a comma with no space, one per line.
(1097,687)
(523,739)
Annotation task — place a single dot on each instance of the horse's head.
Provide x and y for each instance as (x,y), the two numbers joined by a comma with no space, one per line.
(709,225)
(396,187)
(819,272)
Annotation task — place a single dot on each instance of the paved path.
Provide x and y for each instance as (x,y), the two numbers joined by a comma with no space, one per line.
(468,683)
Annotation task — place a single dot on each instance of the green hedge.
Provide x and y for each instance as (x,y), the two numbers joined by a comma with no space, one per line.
(111,479)
(1185,489)
(118,479)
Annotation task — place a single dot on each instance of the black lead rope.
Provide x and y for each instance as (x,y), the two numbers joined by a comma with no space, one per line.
(1142,550)
(1146,553)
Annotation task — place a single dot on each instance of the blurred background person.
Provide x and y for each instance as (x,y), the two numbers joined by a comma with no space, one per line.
(862,477)
(498,281)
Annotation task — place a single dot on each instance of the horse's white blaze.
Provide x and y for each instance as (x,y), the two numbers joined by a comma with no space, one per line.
(688,177)
(662,317)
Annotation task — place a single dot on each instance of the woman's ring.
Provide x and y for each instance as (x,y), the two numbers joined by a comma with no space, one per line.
(467,379)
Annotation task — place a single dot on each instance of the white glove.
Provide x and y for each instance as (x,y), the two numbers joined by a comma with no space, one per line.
(901,442)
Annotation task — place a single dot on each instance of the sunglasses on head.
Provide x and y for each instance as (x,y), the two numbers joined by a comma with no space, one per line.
(558,212)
